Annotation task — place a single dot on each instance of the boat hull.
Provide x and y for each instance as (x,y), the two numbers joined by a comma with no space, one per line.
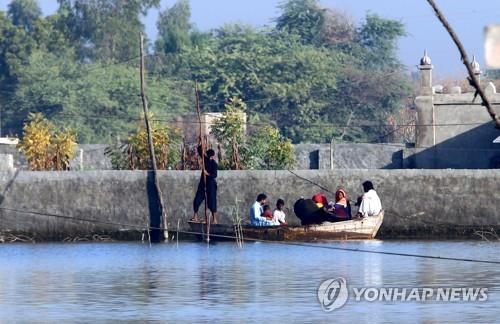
(356,229)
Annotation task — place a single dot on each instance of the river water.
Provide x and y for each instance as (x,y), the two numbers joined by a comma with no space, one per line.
(106,282)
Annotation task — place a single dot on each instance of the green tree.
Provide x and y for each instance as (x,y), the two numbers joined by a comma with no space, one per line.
(104,29)
(265,149)
(100,102)
(379,38)
(15,47)
(49,38)
(373,83)
(280,78)
(366,97)
(268,149)
(229,131)
(174,28)
(304,18)
(313,70)
(24,13)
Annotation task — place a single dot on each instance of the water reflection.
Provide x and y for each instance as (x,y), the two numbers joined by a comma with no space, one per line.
(104,282)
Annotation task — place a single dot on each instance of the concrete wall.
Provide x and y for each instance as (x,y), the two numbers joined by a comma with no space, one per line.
(6,162)
(91,157)
(312,156)
(368,156)
(18,158)
(417,202)
(349,156)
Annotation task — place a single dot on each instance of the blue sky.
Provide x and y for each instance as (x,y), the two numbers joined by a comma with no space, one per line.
(424,31)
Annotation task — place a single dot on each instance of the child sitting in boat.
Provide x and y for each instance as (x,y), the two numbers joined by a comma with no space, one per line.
(267,213)
(279,214)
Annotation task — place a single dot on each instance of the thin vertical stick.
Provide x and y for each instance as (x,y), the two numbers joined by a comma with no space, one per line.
(332,141)
(238,231)
(203,148)
(465,59)
(183,154)
(177,235)
(163,215)
(208,219)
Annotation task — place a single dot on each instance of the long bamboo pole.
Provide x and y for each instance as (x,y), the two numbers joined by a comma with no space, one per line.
(163,215)
(465,60)
(203,150)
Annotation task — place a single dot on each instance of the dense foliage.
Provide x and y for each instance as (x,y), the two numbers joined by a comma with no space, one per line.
(311,73)
(134,153)
(265,148)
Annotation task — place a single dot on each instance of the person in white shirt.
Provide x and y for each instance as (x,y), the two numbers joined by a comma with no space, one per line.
(369,203)
(279,214)
(256,212)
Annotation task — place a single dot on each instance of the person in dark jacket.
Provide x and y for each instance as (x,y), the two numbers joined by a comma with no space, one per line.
(209,189)
(309,213)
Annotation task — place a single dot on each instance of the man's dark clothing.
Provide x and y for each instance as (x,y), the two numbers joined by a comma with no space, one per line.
(211,167)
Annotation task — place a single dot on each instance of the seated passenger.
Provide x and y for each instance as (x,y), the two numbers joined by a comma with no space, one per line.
(309,213)
(279,214)
(342,206)
(369,204)
(267,213)
(256,211)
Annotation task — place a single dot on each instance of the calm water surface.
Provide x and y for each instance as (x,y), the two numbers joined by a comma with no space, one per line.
(193,282)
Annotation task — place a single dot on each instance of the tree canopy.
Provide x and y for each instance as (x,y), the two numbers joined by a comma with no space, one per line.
(24,13)
(311,73)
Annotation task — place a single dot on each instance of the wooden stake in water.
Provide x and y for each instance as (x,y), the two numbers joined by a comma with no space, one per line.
(163,215)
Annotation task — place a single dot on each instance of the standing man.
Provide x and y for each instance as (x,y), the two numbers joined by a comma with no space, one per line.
(208,175)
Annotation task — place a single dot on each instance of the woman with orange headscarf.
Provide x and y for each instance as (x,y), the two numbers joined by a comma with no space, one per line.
(342,207)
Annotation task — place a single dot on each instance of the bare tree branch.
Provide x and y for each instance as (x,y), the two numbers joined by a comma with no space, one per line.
(465,59)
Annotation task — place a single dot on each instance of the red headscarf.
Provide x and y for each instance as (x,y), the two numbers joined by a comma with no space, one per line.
(320,198)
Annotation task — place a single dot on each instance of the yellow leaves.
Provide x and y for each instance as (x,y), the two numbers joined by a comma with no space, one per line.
(44,147)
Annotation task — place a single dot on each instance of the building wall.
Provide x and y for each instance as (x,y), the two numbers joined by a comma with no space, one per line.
(349,156)
(454,130)
(91,157)
(417,202)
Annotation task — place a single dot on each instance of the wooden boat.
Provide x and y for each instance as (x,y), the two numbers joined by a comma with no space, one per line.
(355,229)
